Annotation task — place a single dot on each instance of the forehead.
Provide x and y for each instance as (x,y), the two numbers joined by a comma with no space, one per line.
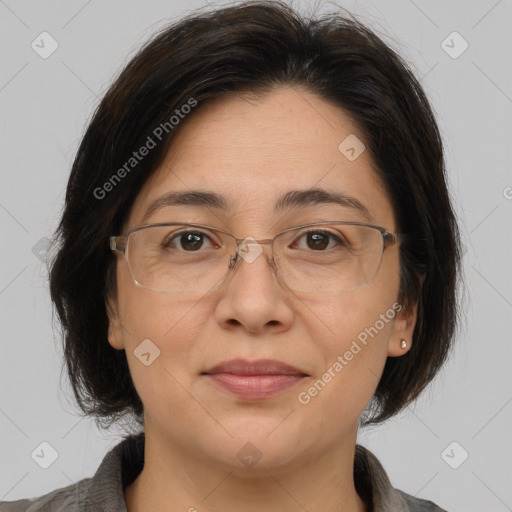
(254,149)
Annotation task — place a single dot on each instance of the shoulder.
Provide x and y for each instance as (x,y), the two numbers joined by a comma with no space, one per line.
(374,485)
(104,492)
(418,504)
(60,500)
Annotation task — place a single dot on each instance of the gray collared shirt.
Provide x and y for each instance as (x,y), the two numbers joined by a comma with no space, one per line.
(104,492)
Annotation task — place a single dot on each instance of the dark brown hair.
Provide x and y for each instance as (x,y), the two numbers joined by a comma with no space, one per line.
(254,47)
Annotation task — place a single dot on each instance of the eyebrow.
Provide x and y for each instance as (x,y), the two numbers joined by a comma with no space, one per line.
(291,199)
(314,196)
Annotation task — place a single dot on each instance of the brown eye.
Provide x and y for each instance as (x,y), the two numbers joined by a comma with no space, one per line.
(319,240)
(187,241)
(191,241)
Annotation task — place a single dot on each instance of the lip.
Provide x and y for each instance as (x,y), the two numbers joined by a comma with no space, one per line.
(258,367)
(255,380)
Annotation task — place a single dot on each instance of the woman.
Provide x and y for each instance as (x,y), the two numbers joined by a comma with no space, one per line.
(257,256)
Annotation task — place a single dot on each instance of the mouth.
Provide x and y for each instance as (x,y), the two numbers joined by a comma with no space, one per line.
(254,380)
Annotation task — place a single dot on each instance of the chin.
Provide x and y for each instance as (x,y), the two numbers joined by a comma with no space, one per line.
(264,443)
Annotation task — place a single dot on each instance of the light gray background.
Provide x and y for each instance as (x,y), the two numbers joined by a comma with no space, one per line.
(44,106)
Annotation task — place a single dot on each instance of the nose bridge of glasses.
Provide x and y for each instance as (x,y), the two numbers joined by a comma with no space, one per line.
(251,240)
(249,249)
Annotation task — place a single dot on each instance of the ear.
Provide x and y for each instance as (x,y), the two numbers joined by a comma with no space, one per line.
(403,329)
(115,332)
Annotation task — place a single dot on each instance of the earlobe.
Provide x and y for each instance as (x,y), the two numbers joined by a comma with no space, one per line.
(400,340)
(115,337)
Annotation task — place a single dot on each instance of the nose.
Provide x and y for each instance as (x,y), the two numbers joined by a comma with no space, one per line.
(252,296)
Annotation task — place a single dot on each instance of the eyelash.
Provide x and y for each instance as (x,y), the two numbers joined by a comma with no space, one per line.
(166,244)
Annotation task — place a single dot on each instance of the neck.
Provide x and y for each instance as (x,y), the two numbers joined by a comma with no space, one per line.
(175,478)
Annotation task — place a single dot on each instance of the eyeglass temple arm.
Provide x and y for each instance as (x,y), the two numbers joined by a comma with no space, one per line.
(393,238)
(118,243)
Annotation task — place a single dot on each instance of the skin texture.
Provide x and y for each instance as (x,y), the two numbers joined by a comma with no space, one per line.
(252,151)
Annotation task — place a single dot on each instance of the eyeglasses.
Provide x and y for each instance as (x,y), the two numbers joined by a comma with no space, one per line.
(321,257)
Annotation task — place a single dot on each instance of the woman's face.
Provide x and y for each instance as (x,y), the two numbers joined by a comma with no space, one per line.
(252,152)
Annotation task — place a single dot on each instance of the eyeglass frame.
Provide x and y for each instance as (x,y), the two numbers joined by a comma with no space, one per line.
(388,239)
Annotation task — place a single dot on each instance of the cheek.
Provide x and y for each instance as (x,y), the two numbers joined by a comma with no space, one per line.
(158,332)
(352,363)
(158,335)
(358,330)
(351,334)
(147,314)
